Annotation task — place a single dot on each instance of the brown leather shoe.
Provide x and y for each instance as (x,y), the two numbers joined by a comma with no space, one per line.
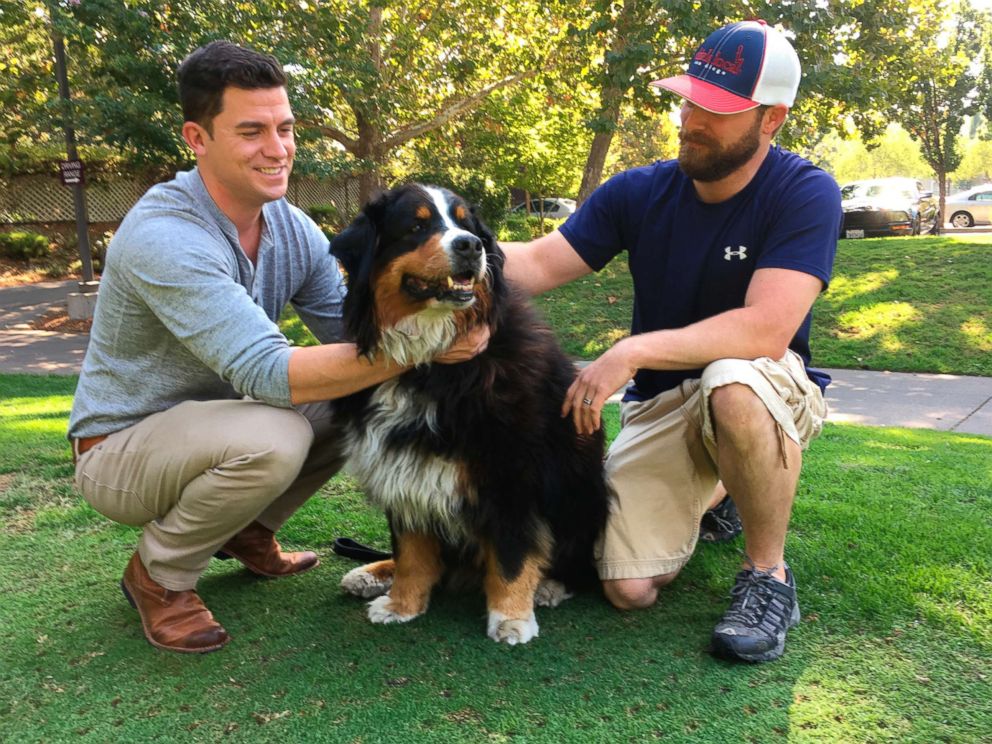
(256,547)
(174,621)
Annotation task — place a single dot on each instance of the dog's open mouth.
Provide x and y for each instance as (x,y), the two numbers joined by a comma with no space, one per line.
(458,288)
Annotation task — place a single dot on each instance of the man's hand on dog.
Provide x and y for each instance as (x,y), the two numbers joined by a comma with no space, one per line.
(592,387)
(466,346)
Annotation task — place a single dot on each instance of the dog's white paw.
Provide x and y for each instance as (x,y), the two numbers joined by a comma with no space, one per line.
(551,593)
(364,584)
(380,613)
(511,631)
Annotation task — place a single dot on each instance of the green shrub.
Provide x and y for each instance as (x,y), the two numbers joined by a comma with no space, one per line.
(521,227)
(22,245)
(326,215)
(98,250)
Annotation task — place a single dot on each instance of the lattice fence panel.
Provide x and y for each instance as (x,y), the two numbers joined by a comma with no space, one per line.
(43,199)
(308,192)
(33,199)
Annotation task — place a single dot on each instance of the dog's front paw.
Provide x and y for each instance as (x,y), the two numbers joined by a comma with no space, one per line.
(382,612)
(512,630)
(551,593)
(372,580)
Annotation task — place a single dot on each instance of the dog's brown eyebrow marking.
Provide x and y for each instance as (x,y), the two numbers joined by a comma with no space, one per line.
(424,212)
(459,212)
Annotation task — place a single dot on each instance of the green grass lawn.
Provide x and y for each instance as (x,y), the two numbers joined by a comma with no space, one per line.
(917,304)
(891,544)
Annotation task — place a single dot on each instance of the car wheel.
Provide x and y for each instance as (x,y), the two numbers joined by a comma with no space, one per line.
(962,219)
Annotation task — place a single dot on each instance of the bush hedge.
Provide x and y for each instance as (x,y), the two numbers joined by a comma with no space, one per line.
(522,228)
(22,245)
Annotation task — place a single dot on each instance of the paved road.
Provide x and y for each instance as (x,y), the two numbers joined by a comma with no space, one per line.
(943,402)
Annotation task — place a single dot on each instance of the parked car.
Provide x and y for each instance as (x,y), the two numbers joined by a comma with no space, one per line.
(554,207)
(969,208)
(887,206)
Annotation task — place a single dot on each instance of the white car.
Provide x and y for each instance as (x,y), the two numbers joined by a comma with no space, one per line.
(554,207)
(971,207)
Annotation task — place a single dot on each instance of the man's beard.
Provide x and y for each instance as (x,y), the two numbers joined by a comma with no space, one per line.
(714,162)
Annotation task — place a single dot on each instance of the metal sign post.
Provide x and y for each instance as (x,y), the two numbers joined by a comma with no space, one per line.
(81,303)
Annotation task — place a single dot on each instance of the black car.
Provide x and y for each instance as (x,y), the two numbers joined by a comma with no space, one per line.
(887,206)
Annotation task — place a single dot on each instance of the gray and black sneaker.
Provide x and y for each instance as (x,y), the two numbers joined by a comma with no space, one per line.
(721,523)
(762,609)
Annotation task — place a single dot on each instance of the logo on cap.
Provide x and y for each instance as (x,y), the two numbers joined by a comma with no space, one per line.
(718,63)
(739,67)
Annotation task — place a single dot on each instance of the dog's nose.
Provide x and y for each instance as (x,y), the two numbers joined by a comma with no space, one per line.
(467,246)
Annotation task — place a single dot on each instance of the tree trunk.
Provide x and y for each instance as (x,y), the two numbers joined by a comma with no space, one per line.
(611,99)
(592,174)
(941,201)
(369,183)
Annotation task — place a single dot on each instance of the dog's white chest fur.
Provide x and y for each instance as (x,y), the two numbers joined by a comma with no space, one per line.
(423,492)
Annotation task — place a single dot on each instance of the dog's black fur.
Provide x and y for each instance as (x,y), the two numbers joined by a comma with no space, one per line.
(532,489)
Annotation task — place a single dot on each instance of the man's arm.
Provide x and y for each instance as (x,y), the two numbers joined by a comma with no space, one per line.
(543,264)
(334,370)
(777,302)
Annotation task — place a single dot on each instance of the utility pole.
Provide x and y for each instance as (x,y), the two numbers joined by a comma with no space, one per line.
(82,302)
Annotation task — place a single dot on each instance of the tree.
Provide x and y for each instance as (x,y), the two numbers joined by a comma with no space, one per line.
(895,153)
(933,82)
(632,42)
(641,138)
(380,74)
(976,162)
(640,41)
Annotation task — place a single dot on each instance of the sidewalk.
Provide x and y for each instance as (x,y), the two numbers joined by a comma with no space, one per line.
(914,400)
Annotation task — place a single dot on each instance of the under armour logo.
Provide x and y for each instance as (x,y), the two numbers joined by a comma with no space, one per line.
(741,252)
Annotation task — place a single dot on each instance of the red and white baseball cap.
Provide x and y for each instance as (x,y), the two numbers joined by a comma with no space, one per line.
(739,67)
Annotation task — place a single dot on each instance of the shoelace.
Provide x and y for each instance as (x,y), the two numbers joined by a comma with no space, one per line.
(722,523)
(749,600)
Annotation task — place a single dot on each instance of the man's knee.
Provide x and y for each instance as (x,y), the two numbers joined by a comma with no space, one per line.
(736,408)
(636,594)
(271,444)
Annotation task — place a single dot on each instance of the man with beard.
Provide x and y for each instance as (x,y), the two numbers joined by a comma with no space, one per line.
(728,248)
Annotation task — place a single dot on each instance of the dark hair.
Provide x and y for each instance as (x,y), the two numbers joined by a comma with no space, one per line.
(207,71)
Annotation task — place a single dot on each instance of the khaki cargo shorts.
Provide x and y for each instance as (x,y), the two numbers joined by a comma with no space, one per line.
(663,463)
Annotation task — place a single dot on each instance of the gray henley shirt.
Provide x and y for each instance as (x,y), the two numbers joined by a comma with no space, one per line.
(183,314)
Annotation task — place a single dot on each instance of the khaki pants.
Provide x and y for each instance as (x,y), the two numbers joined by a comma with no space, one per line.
(663,463)
(196,474)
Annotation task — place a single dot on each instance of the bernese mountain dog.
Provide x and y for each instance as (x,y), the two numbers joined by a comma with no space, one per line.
(472,463)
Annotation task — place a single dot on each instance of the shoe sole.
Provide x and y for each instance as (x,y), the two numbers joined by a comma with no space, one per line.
(225,555)
(722,649)
(156,644)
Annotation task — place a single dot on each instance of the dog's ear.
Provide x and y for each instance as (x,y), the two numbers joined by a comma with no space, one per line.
(357,242)
(355,249)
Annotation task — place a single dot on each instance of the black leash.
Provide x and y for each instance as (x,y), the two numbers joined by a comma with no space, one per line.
(348,548)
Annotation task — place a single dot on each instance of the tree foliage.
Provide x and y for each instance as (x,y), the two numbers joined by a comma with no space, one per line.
(511,92)
(894,153)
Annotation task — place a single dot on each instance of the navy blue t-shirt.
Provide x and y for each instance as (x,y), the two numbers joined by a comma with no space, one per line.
(690,260)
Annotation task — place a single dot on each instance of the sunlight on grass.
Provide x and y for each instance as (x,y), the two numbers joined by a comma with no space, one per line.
(979,238)
(603,341)
(957,595)
(48,425)
(874,320)
(843,288)
(977,333)
(49,405)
